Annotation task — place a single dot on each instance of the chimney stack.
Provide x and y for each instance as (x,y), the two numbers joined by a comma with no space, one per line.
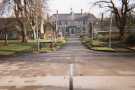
(57,12)
(102,17)
(81,11)
(71,11)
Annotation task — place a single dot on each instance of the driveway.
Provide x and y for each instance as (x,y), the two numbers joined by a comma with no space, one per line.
(87,63)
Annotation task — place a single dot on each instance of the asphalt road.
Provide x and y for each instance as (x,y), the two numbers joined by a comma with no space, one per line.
(87,63)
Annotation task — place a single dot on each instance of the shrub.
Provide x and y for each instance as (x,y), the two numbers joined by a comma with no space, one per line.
(92,43)
(101,37)
(130,39)
(97,43)
(86,39)
(105,37)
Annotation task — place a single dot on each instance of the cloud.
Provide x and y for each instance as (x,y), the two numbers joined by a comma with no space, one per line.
(1,1)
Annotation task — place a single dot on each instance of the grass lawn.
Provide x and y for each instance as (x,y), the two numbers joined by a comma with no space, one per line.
(13,48)
(102,46)
(96,43)
(6,53)
(107,49)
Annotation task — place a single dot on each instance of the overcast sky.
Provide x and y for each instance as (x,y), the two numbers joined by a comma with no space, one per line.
(64,6)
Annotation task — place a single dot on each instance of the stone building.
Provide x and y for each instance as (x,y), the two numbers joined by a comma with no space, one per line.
(8,26)
(73,23)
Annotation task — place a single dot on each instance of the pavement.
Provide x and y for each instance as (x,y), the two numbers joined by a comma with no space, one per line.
(62,83)
(49,71)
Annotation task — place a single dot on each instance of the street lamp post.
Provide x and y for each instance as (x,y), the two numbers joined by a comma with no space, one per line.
(110,32)
(92,36)
(57,23)
(37,31)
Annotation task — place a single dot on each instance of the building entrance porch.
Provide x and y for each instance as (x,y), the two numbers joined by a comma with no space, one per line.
(72,31)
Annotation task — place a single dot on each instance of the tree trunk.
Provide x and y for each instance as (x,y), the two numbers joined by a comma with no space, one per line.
(122,32)
(23,30)
(34,32)
(24,35)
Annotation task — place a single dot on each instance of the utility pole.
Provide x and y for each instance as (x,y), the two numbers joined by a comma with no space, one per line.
(110,32)
(81,25)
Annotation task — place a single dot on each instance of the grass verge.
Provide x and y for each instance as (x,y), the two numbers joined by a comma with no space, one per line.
(105,49)
(97,45)
(14,48)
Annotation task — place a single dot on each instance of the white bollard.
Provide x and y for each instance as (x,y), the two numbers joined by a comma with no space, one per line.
(71,75)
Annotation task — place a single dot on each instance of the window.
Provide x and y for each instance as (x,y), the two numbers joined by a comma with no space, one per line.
(60,23)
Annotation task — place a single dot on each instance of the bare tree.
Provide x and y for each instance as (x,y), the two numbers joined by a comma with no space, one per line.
(120,9)
(36,14)
(20,13)
(4,30)
(29,12)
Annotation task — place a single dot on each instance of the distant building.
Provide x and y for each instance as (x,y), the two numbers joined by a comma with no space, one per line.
(9,25)
(102,29)
(73,23)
